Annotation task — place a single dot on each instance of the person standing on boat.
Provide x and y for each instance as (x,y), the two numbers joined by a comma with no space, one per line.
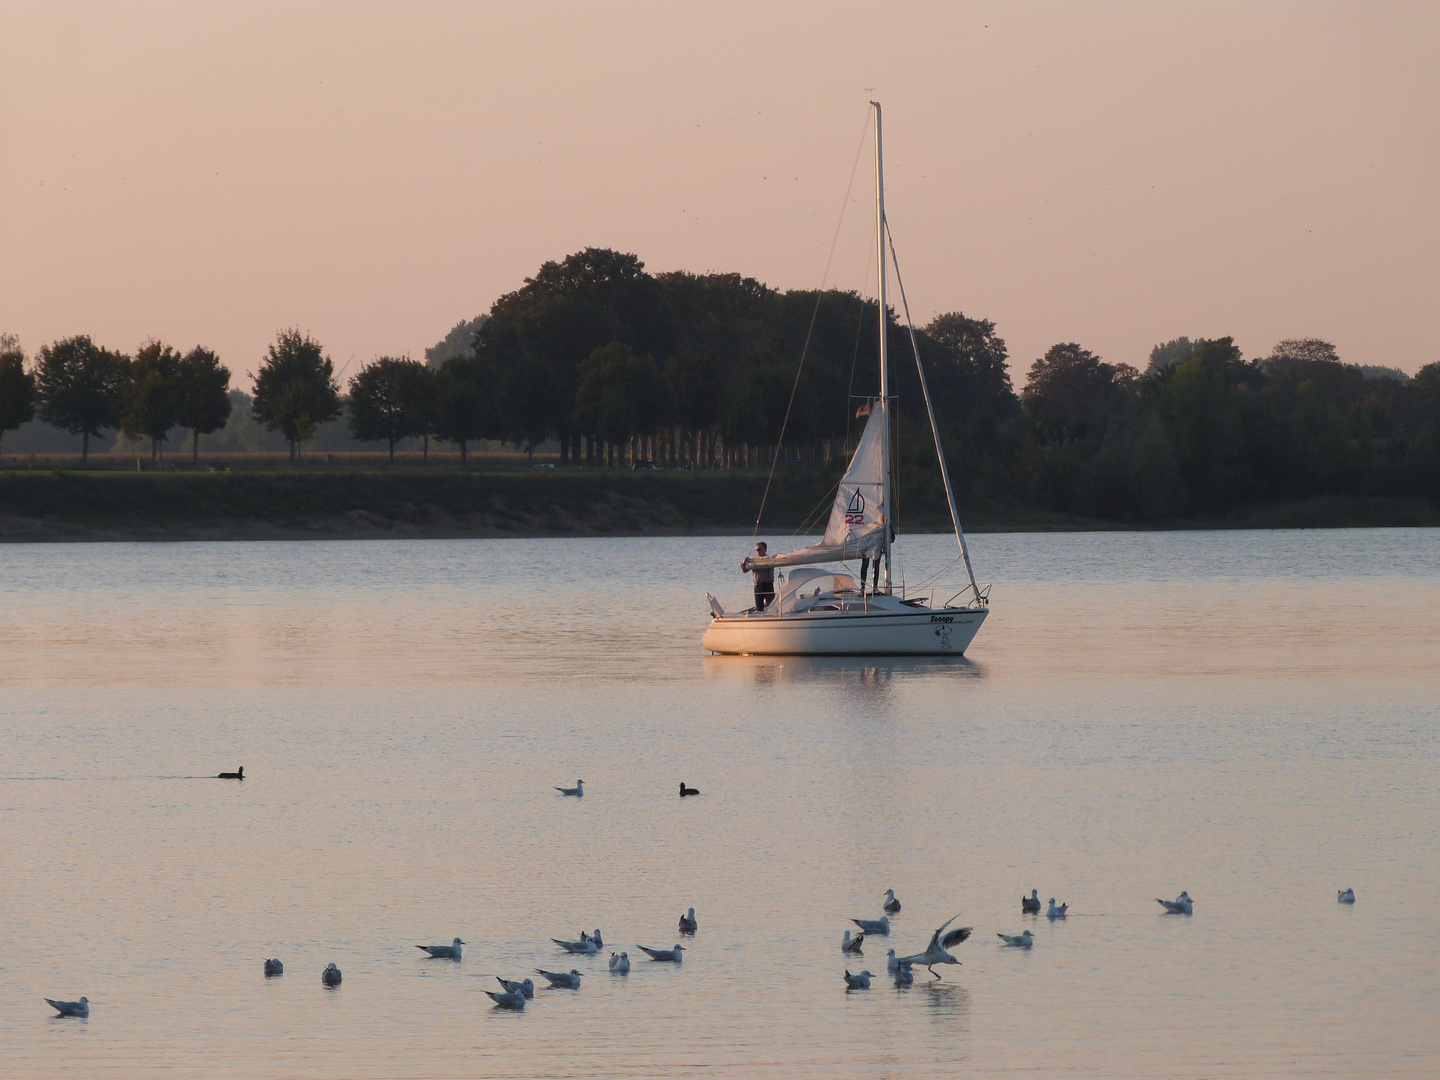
(764,578)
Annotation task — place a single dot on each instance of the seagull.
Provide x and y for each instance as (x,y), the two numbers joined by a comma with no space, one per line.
(330,976)
(891,904)
(1181,905)
(526,988)
(938,951)
(595,937)
(669,956)
(511,999)
(584,947)
(688,925)
(238,774)
(1019,941)
(853,944)
(880,926)
(620,963)
(444,952)
(857,982)
(1346,897)
(79,1008)
(1054,912)
(688,790)
(904,975)
(561,980)
(578,790)
(274,967)
(892,962)
(1030,905)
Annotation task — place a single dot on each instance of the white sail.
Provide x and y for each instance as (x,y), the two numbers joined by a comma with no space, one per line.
(858,516)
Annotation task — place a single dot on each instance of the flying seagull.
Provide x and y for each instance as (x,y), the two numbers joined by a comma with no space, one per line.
(444,952)
(1181,905)
(688,925)
(79,1008)
(578,790)
(1019,941)
(857,982)
(880,926)
(525,988)
(561,980)
(684,791)
(1030,905)
(1055,911)
(853,944)
(510,999)
(668,956)
(891,904)
(938,951)
(274,967)
(1346,896)
(620,963)
(330,976)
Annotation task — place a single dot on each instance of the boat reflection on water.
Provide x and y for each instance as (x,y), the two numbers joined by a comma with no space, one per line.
(840,670)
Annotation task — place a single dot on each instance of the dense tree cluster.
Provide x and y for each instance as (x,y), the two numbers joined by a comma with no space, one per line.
(699,371)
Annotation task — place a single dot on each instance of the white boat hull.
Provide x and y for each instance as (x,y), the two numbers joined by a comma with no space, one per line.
(911,632)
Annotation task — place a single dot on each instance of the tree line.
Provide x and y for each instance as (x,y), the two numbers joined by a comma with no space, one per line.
(705,371)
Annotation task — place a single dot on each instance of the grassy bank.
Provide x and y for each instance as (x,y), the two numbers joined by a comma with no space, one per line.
(437,502)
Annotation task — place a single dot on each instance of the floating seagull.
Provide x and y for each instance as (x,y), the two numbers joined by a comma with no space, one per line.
(688,790)
(1019,941)
(238,774)
(79,1008)
(669,956)
(892,962)
(578,790)
(688,925)
(937,952)
(1181,905)
(853,944)
(1346,896)
(511,999)
(857,982)
(527,987)
(904,975)
(444,952)
(891,904)
(620,963)
(330,976)
(595,937)
(561,980)
(1056,912)
(880,926)
(274,967)
(585,947)
(1030,905)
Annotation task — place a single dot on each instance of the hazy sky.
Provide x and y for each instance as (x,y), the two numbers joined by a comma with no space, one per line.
(1113,174)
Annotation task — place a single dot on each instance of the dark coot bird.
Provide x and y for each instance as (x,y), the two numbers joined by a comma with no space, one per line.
(273,968)
(688,790)
(1030,905)
(238,774)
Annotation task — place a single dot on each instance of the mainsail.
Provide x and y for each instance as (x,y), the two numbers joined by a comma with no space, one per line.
(858,516)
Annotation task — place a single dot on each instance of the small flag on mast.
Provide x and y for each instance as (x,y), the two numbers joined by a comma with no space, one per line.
(863,410)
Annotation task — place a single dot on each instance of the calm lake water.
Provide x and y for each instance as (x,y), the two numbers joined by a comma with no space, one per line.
(1251,717)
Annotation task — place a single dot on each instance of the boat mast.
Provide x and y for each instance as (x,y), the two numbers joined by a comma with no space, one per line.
(884,354)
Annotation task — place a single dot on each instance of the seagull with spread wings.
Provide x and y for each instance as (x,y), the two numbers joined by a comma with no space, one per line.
(938,951)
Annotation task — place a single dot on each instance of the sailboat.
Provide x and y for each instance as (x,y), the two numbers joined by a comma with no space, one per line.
(821,609)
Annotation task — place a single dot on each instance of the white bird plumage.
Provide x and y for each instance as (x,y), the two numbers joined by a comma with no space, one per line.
(443,952)
(620,963)
(584,947)
(1181,905)
(1056,911)
(891,904)
(525,986)
(892,962)
(510,999)
(938,951)
(561,980)
(1020,941)
(857,982)
(667,956)
(880,926)
(79,1008)
(1345,896)
(578,790)
(904,975)
(853,944)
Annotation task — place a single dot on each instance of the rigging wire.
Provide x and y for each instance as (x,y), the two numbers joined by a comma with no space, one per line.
(819,295)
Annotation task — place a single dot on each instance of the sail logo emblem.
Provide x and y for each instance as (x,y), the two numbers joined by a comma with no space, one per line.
(855,512)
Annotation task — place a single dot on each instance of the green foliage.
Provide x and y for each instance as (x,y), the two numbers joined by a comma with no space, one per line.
(150,401)
(81,387)
(1166,356)
(1070,390)
(459,342)
(295,388)
(392,399)
(621,394)
(202,398)
(17,386)
(467,405)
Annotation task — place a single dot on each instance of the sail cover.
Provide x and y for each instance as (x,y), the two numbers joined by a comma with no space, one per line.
(858,515)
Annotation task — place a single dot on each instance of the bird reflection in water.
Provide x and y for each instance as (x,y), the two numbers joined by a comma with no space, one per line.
(944,1001)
